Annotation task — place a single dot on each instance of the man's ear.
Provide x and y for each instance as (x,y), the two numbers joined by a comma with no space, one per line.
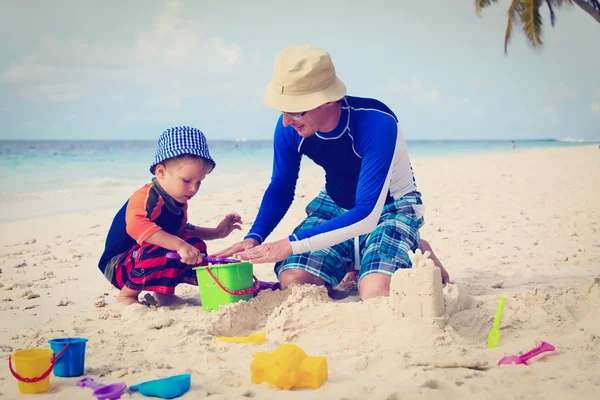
(160,171)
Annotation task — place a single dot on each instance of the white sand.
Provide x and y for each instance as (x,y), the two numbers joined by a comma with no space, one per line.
(523,225)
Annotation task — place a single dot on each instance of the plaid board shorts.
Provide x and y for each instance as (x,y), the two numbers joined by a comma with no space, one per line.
(382,251)
(147,268)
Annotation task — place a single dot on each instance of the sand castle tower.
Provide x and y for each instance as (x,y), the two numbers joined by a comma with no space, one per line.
(417,292)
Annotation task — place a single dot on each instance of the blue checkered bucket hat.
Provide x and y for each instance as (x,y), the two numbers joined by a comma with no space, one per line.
(178,141)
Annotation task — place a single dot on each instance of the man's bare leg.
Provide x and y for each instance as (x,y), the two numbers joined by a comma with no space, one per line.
(296,276)
(424,246)
(128,296)
(374,285)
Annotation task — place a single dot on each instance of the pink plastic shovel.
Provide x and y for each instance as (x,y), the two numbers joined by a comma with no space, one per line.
(522,359)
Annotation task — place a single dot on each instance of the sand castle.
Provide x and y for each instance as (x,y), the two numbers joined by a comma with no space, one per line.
(417,292)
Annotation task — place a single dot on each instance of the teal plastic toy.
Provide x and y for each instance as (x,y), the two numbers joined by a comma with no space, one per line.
(165,388)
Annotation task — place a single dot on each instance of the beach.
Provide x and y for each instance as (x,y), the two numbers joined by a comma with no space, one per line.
(523,225)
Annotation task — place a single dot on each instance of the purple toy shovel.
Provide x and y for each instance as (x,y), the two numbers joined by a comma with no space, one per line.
(113,391)
(212,260)
(522,359)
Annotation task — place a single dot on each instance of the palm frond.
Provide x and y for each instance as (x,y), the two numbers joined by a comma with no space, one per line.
(552,16)
(525,14)
(507,35)
(559,3)
(531,19)
(591,7)
(514,18)
(481,4)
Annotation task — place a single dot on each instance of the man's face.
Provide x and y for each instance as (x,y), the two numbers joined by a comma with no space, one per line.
(306,123)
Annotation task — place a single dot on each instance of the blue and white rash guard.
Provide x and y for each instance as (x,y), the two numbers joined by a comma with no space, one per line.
(366,165)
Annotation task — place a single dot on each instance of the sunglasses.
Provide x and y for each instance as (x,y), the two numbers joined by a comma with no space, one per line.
(295,116)
(298,115)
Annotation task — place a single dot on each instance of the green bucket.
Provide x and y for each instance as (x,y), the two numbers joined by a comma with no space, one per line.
(224,284)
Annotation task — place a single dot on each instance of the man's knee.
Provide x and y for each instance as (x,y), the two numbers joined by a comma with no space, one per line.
(374,285)
(296,276)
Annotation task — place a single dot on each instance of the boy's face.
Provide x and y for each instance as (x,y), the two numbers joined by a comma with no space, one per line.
(181,180)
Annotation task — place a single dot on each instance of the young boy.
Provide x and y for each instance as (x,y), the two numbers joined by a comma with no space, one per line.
(153,221)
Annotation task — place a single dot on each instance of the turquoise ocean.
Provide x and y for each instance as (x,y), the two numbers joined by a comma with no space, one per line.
(43,178)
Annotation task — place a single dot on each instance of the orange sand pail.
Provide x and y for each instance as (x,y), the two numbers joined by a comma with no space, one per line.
(32,369)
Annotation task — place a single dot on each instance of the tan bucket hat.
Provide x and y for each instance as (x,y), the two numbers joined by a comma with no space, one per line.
(303,79)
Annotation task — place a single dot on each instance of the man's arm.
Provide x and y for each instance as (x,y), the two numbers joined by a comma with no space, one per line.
(280,193)
(377,146)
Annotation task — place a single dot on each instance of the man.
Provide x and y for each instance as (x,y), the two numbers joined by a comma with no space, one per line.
(369,212)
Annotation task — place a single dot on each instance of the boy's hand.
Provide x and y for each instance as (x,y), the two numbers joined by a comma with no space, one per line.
(189,254)
(229,223)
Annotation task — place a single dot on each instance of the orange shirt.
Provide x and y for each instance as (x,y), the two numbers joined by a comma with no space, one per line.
(147,211)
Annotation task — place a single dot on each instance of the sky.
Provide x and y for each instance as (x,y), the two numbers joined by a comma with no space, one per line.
(107,69)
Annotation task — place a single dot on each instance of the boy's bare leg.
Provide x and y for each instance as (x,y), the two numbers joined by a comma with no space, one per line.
(128,296)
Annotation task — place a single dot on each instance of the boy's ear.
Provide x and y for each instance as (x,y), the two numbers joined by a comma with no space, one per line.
(160,170)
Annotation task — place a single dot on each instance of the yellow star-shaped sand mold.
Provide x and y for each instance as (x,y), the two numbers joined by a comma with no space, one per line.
(288,367)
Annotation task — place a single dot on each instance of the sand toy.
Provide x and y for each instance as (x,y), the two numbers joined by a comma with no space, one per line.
(256,338)
(223,284)
(221,260)
(212,260)
(288,367)
(522,359)
(165,388)
(227,281)
(262,285)
(72,363)
(33,367)
(494,335)
(113,391)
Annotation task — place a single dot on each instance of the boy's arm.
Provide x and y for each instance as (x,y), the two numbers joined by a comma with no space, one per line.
(206,233)
(166,240)
(198,231)
(142,229)
(226,226)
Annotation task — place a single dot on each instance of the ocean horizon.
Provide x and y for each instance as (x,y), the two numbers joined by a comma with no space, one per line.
(50,177)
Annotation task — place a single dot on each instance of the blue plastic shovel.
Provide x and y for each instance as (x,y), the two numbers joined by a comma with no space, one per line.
(165,388)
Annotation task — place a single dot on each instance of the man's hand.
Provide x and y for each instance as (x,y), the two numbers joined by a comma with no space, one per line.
(236,248)
(189,254)
(267,252)
(229,223)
